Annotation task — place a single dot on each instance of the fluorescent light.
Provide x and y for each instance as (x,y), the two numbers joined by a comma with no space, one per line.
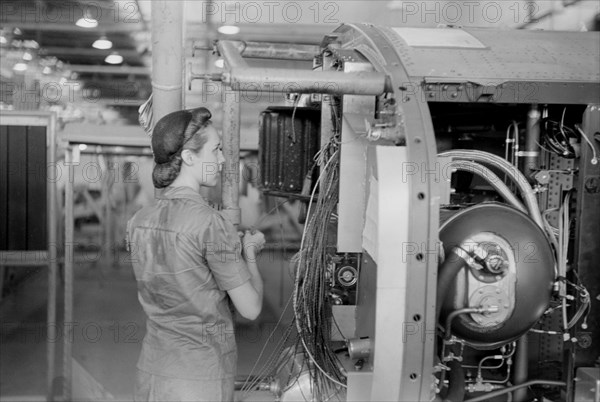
(87,23)
(114,58)
(82,147)
(3,40)
(47,70)
(228,29)
(20,67)
(102,43)
(27,56)
(220,63)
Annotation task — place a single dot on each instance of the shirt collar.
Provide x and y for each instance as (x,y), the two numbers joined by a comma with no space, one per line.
(172,193)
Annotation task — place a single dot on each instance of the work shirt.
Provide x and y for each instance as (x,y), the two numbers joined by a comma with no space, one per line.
(186,255)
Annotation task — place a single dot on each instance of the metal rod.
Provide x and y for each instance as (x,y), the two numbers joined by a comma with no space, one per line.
(167,57)
(231,152)
(68,290)
(52,256)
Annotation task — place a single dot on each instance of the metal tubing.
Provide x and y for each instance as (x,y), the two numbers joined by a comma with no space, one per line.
(271,50)
(304,81)
(492,179)
(515,175)
(532,143)
(231,55)
(456,313)
(167,57)
(52,258)
(68,290)
(231,151)
(257,50)
(489,395)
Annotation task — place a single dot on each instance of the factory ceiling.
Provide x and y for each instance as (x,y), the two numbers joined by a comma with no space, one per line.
(100,51)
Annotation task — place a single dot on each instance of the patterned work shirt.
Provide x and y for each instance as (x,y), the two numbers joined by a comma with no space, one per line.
(186,255)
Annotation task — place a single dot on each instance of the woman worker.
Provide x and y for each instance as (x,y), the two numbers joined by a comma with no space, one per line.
(189,262)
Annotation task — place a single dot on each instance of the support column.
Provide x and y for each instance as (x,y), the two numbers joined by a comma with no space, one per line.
(167,57)
(68,335)
(230,175)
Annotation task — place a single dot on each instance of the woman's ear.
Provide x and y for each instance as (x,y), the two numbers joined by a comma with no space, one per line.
(188,157)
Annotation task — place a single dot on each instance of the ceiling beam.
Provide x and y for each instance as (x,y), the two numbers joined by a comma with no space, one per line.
(87,52)
(61,27)
(125,70)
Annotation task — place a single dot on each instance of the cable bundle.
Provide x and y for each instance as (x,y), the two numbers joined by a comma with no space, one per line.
(309,333)
(312,308)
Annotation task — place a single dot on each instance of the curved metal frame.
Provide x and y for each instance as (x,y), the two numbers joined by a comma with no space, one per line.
(416,368)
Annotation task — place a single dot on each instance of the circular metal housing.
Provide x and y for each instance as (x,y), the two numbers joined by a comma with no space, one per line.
(515,278)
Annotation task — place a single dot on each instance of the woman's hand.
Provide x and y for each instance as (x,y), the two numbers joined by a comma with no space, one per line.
(252,243)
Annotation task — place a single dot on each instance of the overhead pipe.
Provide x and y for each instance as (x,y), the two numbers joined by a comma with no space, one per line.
(239,76)
(167,57)
(270,50)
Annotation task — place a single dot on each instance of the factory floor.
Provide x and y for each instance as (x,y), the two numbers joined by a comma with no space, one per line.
(109,326)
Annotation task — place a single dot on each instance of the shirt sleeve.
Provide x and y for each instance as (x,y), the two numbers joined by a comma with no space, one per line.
(223,252)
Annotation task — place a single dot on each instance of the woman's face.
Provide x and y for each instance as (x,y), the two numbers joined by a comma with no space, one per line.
(210,159)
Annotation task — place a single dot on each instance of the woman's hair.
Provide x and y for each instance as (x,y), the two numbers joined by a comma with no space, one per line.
(173,133)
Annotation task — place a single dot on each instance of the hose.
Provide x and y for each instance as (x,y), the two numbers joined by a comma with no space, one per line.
(507,390)
(503,165)
(456,380)
(446,274)
(492,179)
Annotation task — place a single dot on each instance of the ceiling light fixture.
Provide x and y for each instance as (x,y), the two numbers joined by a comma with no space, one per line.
(220,63)
(228,29)
(114,58)
(3,40)
(102,43)
(27,56)
(87,23)
(20,66)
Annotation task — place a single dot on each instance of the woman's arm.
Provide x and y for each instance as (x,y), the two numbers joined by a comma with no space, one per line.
(248,297)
